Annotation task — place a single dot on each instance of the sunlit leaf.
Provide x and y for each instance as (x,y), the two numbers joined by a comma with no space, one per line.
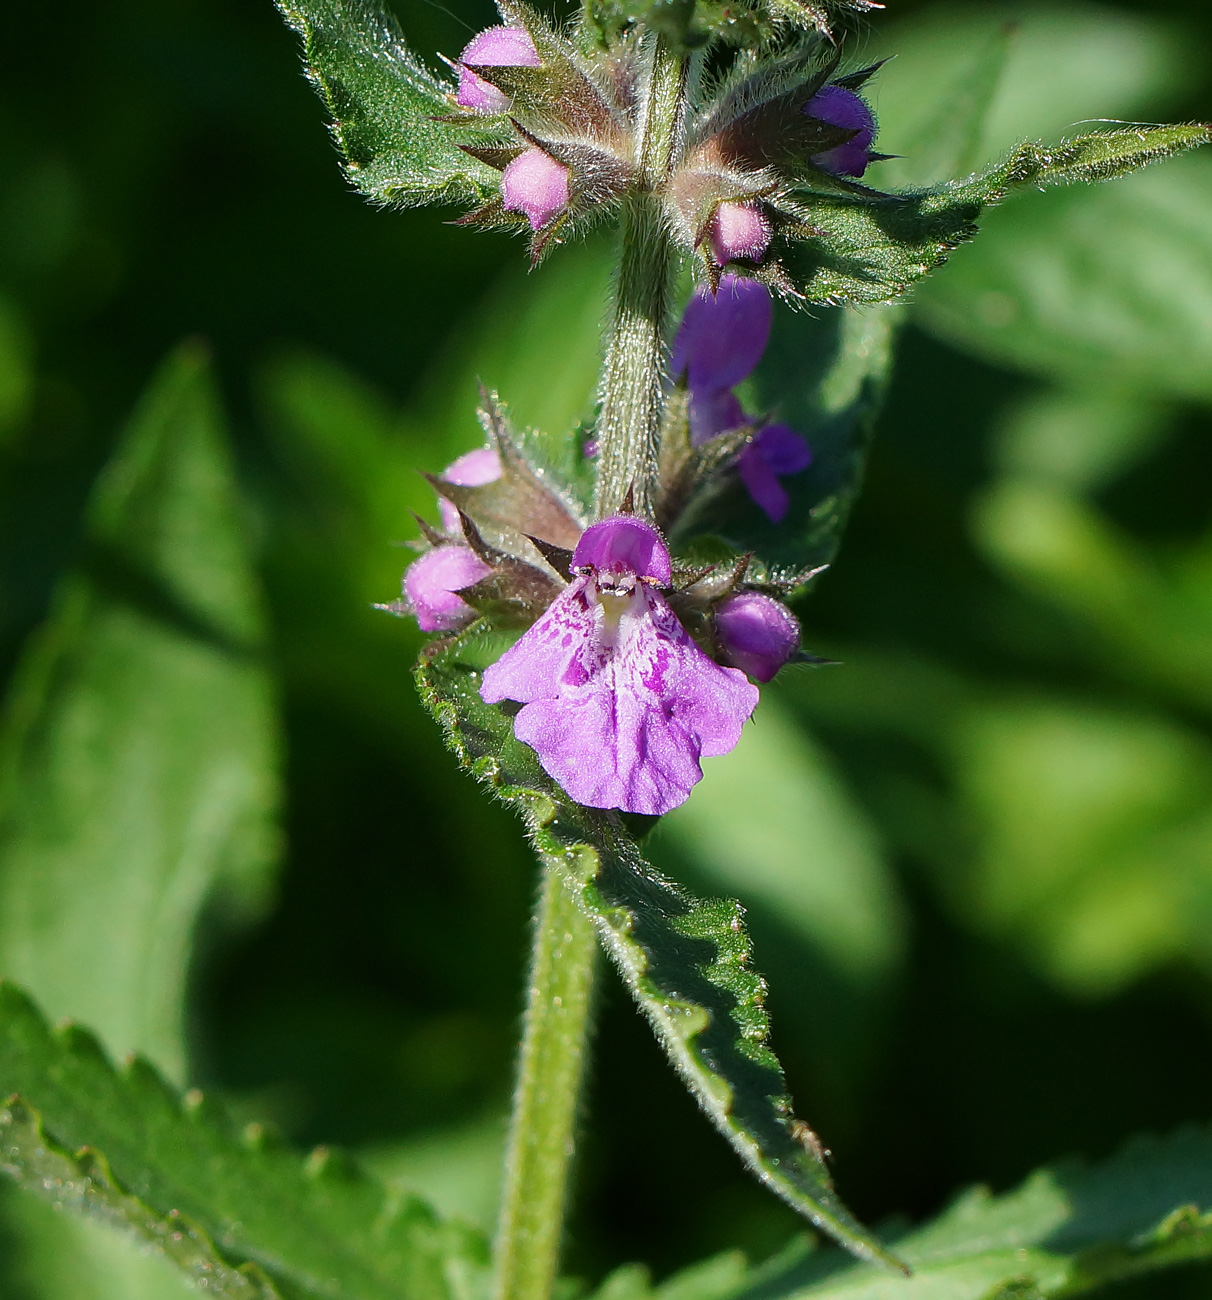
(873,248)
(772,823)
(1045,68)
(1068,1230)
(138,753)
(1094,843)
(382,103)
(686,960)
(1109,286)
(317,1228)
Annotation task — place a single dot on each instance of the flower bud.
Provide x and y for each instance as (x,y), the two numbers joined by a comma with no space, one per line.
(472,469)
(839,106)
(756,633)
(495,47)
(432,582)
(738,230)
(537,186)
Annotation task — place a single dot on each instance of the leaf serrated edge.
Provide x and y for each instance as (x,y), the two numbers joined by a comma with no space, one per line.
(676,1022)
(460,1253)
(85,1183)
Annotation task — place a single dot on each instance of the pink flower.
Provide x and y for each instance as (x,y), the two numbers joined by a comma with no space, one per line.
(432,582)
(537,186)
(775,452)
(757,633)
(495,47)
(719,344)
(739,230)
(619,702)
(839,106)
(472,469)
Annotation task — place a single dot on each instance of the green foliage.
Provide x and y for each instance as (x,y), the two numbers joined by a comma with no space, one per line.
(773,823)
(685,960)
(383,104)
(1067,1230)
(83,1184)
(138,751)
(317,1228)
(872,248)
(1109,286)
(692,23)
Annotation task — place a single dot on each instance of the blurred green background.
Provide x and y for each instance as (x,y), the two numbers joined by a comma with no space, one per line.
(977,858)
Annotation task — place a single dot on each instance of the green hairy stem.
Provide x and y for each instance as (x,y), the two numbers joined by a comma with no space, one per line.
(541,1134)
(632,388)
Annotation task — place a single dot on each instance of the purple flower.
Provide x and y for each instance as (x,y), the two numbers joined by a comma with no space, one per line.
(619,702)
(775,452)
(738,230)
(719,343)
(472,469)
(756,633)
(838,106)
(495,47)
(537,186)
(432,582)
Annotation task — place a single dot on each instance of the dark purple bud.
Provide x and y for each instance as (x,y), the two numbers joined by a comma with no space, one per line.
(624,545)
(432,582)
(723,335)
(473,469)
(838,106)
(537,186)
(757,633)
(495,47)
(739,230)
(775,452)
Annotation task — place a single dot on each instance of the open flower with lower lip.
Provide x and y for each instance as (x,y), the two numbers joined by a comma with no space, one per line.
(619,703)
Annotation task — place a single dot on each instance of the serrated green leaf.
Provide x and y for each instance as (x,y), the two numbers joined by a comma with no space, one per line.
(83,1184)
(686,960)
(1068,1230)
(319,1228)
(874,248)
(383,104)
(138,751)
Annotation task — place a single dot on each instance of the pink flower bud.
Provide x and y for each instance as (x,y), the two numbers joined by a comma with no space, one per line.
(495,47)
(738,230)
(537,186)
(757,633)
(433,581)
(472,469)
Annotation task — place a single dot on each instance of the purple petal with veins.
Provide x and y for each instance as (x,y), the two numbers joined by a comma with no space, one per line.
(619,702)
